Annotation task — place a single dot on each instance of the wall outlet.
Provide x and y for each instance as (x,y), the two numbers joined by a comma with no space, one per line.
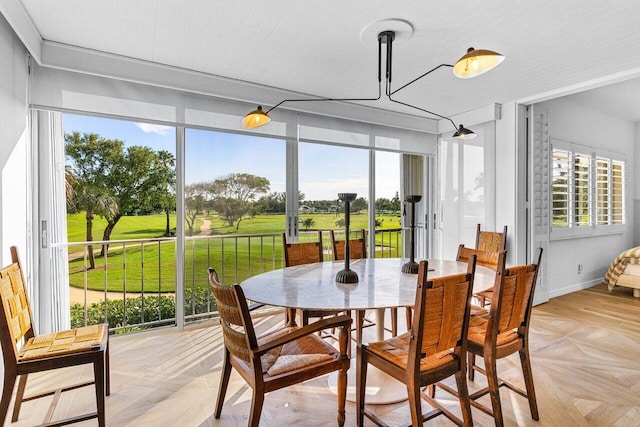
(579,268)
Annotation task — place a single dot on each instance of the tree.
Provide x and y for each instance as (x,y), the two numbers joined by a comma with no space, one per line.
(165,196)
(359,204)
(235,194)
(195,199)
(111,181)
(93,158)
(141,179)
(307,223)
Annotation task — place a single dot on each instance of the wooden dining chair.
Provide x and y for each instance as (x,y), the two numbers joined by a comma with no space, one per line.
(305,253)
(357,250)
(492,242)
(85,345)
(502,331)
(431,351)
(483,258)
(281,358)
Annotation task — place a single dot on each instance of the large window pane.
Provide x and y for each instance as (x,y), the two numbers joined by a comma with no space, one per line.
(120,191)
(388,223)
(234,210)
(323,172)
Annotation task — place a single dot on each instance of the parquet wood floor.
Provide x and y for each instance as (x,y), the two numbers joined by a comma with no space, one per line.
(585,357)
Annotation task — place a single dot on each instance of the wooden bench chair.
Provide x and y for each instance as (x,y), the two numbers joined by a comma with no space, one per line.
(492,242)
(89,344)
(502,331)
(431,351)
(279,359)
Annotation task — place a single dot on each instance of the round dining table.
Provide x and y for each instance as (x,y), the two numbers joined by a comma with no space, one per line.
(381,284)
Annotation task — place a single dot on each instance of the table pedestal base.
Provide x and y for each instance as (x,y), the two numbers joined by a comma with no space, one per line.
(381,388)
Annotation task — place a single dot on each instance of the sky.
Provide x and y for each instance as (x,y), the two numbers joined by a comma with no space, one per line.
(323,170)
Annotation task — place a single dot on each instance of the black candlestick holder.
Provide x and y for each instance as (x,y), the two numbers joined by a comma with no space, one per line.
(412,266)
(347,275)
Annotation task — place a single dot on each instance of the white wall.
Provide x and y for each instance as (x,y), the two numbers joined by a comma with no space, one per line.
(572,122)
(13,144)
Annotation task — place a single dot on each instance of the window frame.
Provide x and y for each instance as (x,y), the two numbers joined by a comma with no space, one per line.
(594,226)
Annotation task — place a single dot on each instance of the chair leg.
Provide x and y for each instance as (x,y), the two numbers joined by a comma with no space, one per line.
(22,385)
(342,395)
(98,374)
(409,317)
(361,384)
(107,369)
(415,402)
(257,399)
(394,321)
(528,381)
(224,381)
(471,362)
(7,391)
(465,402)
(494,390)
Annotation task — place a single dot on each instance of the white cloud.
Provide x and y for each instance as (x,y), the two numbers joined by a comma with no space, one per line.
(149,128)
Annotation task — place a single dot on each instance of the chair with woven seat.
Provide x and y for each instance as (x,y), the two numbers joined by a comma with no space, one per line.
(304,253)
(431,351)
(357,250)
(281,358)
(502,331)
(493,242)
(85,345)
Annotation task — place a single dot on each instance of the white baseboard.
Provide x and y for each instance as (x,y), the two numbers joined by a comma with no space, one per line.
(573,288)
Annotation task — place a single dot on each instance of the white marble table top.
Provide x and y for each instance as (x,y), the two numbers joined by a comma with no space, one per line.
(381,284)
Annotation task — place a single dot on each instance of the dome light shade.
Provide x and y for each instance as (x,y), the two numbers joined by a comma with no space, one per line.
(476,62)
(255,119)
(464,133)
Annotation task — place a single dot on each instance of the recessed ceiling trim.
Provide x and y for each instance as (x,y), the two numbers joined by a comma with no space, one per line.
(581,87)
(21,22)
(73,58)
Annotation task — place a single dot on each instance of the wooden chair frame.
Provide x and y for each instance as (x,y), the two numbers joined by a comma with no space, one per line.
(14,365)
(503,319)
(449,340)
(305,253)
(357,250)
(489,241)
(244,351)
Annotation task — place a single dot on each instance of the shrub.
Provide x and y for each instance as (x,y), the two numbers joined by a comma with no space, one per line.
(142,309)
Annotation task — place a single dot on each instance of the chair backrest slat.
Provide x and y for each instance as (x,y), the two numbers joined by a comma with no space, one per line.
(484,258)
(441,309)
(302,252)
(237,328)
(16,309)
(357,247)
(491,241)
(513,295)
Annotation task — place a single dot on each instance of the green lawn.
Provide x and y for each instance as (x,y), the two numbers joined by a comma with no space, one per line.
(152,268)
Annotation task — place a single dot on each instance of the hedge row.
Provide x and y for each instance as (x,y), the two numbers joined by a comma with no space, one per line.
(143,309)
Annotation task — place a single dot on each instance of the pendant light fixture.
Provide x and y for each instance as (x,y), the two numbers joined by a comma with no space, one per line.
(476,62)
(472,64)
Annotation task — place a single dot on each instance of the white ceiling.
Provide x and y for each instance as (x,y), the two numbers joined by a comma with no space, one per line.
(314,47)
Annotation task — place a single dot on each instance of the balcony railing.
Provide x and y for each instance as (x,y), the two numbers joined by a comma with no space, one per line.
(133,284)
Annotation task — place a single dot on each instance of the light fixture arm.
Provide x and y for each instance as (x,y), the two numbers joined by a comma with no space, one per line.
(482,60)
(418,78)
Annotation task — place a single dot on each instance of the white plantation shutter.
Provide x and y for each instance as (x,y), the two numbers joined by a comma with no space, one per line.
(603,183)
(617,192)
(560,189)
(582,203)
